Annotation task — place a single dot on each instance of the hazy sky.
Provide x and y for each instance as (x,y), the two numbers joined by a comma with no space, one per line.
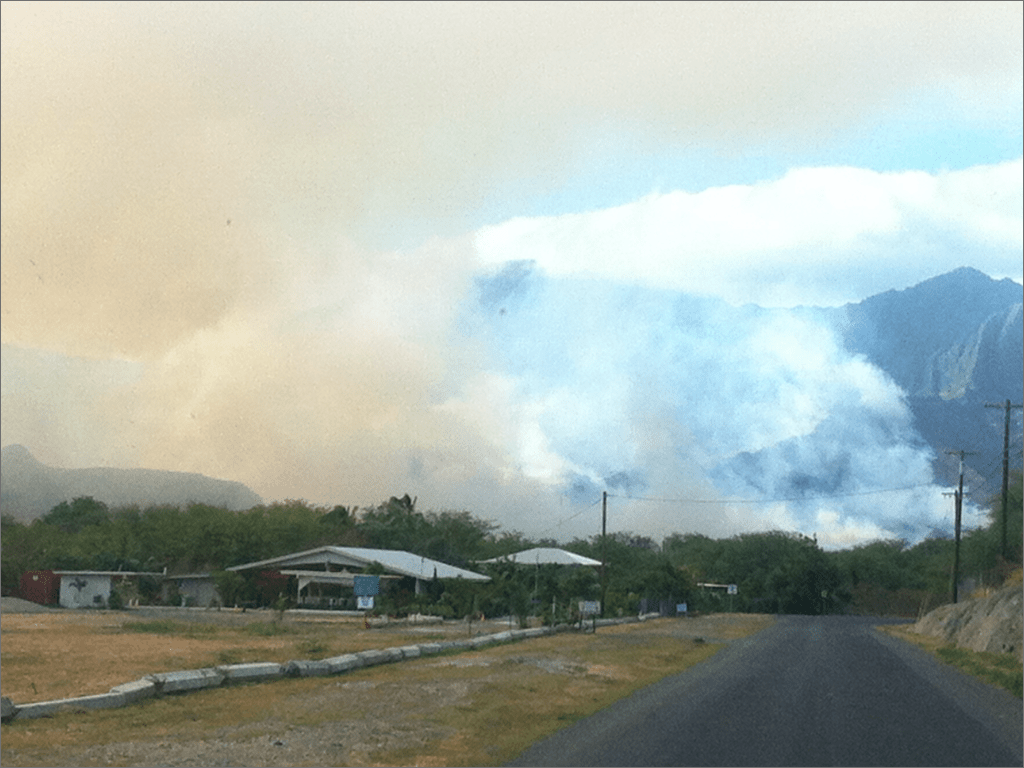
(244,239)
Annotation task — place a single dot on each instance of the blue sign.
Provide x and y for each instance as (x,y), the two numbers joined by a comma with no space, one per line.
(681,608)
(366,585)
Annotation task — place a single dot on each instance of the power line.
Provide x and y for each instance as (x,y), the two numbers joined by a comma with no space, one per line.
(771,501)
(559,523)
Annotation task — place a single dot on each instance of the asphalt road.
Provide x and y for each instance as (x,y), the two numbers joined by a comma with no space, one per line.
(816,691)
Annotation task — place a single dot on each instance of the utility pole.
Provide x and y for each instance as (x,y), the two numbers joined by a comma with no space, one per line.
(959,498)
(604,548)
(1005,510)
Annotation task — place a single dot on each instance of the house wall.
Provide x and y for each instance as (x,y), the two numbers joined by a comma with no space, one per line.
(199,592)
(41,587)
(84,591)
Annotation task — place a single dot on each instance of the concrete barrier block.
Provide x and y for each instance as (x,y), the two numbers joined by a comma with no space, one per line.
(57,706)
(186,680)
(135,690)
(392,654)
(535,632)
(372,658)
(339,664)
(429,649)
(481,640)
(39,709)
(504,637)
(307,668)
(410,651)
(7,709)
(256,672)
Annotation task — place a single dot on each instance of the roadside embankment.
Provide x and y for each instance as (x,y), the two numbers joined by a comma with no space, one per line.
(991,624)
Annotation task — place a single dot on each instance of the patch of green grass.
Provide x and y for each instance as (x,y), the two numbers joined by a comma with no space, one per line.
(269,629)
(165,627)
(312,649)
(1000,669)
(230,656)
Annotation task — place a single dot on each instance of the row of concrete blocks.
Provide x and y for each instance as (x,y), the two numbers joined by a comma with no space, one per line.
(258,672)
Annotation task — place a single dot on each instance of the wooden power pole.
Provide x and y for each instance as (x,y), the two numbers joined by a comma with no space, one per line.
(604,549)
(959,498)
(1005,510)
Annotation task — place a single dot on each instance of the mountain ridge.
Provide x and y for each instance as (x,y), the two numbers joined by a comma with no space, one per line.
(955,345)
(30,489)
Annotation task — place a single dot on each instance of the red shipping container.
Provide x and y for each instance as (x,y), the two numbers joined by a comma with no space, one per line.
(41,587)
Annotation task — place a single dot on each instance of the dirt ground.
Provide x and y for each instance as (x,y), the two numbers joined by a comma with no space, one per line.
(429,711)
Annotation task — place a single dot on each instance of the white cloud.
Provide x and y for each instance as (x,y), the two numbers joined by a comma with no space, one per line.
(785,242)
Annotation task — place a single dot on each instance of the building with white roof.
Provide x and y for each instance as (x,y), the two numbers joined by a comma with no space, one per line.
(337,566)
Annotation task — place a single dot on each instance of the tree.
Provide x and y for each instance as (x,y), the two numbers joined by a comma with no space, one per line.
(230,586)
(775,572)
(23,550)
(457,538)
(395,524)
(83,511)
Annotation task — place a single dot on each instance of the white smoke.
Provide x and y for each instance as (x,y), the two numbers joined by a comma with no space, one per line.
(687,402)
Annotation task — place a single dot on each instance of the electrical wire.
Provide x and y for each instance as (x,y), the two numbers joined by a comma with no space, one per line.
(772,501)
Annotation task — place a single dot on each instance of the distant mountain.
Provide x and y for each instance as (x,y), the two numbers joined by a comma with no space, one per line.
(955,344)
(954,337)
(30,489)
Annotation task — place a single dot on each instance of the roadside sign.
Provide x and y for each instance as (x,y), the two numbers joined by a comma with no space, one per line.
(366,585)
(681,608)
(732,589)
(364,602)
(590,607)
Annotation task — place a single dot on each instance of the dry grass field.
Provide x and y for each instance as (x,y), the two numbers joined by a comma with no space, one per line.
(472,708)
(76,653)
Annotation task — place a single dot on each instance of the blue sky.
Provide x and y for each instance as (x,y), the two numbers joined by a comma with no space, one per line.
(920,136)
(244,239)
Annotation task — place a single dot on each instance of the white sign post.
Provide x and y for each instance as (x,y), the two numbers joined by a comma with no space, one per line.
(589,608)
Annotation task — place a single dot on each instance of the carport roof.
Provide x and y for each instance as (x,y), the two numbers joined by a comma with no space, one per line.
(393,561)
(107,573)
(545,556)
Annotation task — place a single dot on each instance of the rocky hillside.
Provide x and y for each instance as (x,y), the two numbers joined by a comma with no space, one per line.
(954,344)
(993,623)
(30,489)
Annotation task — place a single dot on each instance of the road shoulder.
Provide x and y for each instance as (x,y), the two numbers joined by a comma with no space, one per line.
(997,710)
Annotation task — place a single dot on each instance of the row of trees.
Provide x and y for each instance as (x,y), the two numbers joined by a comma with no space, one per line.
(774,571)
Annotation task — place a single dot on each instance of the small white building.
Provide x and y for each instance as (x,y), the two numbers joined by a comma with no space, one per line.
(91,589)
(194,589)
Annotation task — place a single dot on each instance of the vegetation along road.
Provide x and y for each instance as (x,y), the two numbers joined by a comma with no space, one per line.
(822,690)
